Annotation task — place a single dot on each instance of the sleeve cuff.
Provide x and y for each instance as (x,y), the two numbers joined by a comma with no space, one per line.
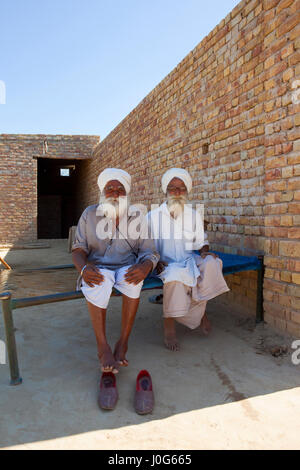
(153,258)
(81,246)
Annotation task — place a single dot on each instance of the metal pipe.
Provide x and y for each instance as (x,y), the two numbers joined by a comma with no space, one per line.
(10,338)
(52,298)
(46,268)
(46,299)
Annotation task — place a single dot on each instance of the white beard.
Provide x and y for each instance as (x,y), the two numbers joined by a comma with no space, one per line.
(114,207)
(176,205)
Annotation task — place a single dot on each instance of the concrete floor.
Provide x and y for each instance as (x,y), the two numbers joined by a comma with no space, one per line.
(225,391)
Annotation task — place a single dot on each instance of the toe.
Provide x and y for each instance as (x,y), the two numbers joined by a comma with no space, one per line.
(123,362)
(172,345)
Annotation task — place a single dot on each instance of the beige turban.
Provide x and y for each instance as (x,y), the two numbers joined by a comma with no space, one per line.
(176,173)
(110,174)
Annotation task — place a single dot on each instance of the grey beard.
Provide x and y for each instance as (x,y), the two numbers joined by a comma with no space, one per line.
(114,207)
(176,205)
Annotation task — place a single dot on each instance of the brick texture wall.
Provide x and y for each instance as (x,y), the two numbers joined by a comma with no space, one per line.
(18,178)
(226,113)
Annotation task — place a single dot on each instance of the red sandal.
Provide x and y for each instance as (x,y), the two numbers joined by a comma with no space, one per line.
(108,393)
(144,396)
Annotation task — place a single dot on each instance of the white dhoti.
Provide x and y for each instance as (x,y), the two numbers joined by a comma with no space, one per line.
(187,304)
(99,295)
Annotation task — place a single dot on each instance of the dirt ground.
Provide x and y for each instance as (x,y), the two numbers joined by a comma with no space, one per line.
(236,389)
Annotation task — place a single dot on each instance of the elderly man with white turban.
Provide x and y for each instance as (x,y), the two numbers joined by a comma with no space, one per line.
(191,274)
(106,257)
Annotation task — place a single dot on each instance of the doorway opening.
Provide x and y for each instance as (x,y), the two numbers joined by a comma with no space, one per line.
(58,183)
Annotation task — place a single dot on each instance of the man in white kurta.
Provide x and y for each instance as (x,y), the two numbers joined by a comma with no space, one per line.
(190,278)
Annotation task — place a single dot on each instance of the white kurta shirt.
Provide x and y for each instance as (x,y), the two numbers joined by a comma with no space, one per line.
(175,240)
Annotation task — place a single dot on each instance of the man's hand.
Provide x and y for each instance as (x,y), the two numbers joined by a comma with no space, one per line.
(161,266)
(138,272)
(203,255)
(205,252)
(91,275)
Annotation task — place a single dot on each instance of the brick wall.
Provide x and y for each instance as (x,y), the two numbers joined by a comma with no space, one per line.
(226,114)
(282,165)
(18,178)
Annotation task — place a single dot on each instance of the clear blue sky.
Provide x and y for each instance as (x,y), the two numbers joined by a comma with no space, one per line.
(80,66)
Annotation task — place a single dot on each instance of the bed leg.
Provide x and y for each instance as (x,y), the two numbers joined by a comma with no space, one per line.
(259,297)
(10,338)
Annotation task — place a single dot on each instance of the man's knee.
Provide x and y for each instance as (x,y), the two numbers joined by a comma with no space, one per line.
(211,263)
(99,294)
(130,290)
(105,285)
(175,290)
(127,285)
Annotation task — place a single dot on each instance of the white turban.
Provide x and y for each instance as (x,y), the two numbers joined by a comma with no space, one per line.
(110,174)
(176,173)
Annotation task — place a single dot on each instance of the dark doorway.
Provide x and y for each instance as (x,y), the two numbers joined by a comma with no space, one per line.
(57,188)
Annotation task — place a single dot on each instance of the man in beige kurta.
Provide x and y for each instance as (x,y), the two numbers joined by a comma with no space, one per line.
(106,256)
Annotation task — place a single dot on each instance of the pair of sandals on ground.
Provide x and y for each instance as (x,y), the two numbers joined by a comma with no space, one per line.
(143,396)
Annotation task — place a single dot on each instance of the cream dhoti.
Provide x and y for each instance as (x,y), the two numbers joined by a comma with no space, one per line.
(187,303)
(99,295)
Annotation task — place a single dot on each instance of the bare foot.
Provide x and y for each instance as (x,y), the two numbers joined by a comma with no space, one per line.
(205,325)
(108,363)
(171,343)
(119,354)
(170,338)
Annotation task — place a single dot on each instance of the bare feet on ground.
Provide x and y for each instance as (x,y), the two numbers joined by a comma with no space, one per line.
(108,362)
(205,325)
(119,354)
(170,338)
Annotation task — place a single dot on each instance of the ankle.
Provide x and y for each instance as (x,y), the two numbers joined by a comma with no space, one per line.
(169,324)
(123,343)
(103,348)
